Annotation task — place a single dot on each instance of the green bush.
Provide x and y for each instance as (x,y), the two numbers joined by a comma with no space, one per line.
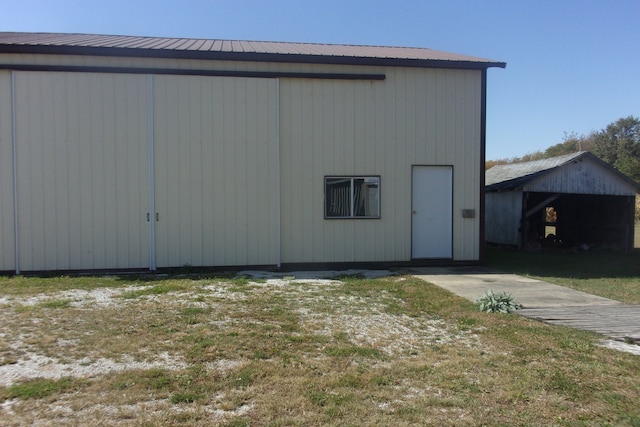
(497,302)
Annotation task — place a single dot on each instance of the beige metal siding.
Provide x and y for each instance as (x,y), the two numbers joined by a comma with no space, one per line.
(414,117)
(216,157)
(178,64)
(82,169)
(7,235)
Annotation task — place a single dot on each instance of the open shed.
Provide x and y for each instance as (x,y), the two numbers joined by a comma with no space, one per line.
(575,200)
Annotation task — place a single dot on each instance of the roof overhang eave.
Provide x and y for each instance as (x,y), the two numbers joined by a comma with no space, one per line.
(248,56)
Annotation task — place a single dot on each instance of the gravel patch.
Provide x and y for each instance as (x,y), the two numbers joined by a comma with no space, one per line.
(316,276)
(39,366)
(396,335)
(362,319)
(79,298)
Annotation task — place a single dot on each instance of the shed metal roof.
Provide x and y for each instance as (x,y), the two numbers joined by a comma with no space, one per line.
(112,45)
(515,175)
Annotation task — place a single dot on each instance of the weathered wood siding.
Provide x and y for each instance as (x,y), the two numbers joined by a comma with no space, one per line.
(502,217)
(583,176)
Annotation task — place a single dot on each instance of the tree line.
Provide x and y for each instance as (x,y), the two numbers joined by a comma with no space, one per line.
(618,144)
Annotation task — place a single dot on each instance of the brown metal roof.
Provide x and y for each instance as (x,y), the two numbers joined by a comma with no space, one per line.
(90,44)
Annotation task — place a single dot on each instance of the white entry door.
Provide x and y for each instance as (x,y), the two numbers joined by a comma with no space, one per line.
(432,212)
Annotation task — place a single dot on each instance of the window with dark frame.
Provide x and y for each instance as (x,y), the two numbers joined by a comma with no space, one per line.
(352,197)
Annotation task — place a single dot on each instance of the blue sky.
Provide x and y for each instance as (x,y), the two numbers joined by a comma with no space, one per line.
(573,66)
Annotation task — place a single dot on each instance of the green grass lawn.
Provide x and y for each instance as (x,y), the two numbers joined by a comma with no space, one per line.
(240,352)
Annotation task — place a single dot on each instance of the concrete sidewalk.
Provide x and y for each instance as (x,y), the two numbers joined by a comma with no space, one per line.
(472,283)
(545,301)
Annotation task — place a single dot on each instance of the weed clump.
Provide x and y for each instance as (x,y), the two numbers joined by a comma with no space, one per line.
(497,302)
